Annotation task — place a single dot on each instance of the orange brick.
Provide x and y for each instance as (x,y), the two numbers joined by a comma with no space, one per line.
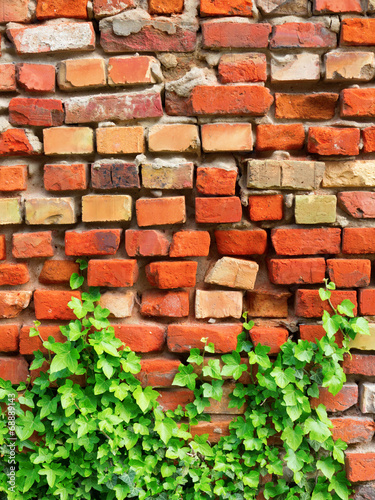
(9,337)
(158,371)
(57,271)
(50,9)
(236,68)
(61,177)
(359,364)
(333,141)
(30,344)
(92,242)
(15,141)
(36,78)
(112,273)
(165,7)
(120,140)
(241,242)
(141,338)
(283,137)
(15,11)
(12,303)
(337,6)
(272,337)
(309,305)
(268,207)
(216,181)
(218,210)
(14,274)
(132,70)
(319,106)
(358,102)
(358,31)
(358,240)
(53,304)
(13,178)
(171,399)
(353,429)
(227,137)
(268,304)
(360,466)
(156,212)
(3,254)
(306,241)
(367,301)
(348,273)
(15,369)
(182,338)
(147,242)
(76,74)
(312,333)
(29,245)
(161,303)
(176,138)
(346,398)
(172,274)
(190,244)
(296,271)
(369,140)
(68,140)
(7,77)
(226,8)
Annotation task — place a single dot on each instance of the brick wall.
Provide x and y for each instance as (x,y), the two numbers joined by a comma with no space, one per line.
(209,158)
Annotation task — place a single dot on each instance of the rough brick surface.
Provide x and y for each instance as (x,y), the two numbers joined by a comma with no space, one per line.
(309,304)
(94,242)
(268,207)
(226,7)
(271,337)
(65,177)
(177,274)
(289,35)
(146,243)
(347,397)
(218,210)
(13,178)
(28,245)
(53,304)
(182,338)
(223,33)
(112,273)
(169,304)
(333,141)
(241,242)
(154,212)
(141,338)
(216,181)
(57,271)
(348,273)
(190,244)
(236,68)
(306,241)
(9,338)
(36,78)
(360,466)
(296,271)
(320,106)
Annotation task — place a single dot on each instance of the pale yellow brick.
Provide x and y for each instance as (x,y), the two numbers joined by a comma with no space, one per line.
(10,211)
(106,208)
(364,342)
(234,273)
(227,137)
(68,140)
(315,209)
(120,140)
(50,211)
(174,138)
(76,74)
(168,176)
(218,304)
(358,173)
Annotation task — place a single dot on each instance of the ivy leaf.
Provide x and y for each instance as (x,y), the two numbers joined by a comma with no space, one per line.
(360,325)
(210,348)
(66,358)
(165,429)
(293,437)
(294,460)
(338,451)
(131,363)
(303,351)
(232,365)
(327,466)
(145,398)
(251,479)
(283,377)
(106,366)
(317,430)
(83,264)
(260,356)
(185,377)
(195,357)
(346,307)
(76,281)
(213,390)
(201,446)
(341,486)
(331,324)
(212,369)
(324,294)
(167,470)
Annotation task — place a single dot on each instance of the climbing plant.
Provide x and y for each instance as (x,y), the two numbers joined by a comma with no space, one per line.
(87,429)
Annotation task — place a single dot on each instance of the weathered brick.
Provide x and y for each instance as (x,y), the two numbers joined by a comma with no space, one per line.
(15,369)
(368,135)
(158,371)
(120,140)
(164,303)
(50,9)
(359,364)
(175,138)
(104,8)
(225,34)
(111,174)
(30,344)
(9,337)
(344,399)
(38,112)
(36,78)
(100,208)
(61,177)
(296,271)
(14,274)
(57,272)
(77,74)
(267,207)
(358,102)
(358,240)
(236,68)
(357,66)
(357,31)
(226,137)
(359,173)
(97,108)
(233,273)
(3,253)
(218,304)
(157,212)
(53,304)
(68,140)
(177,274)
(359,204)
(348,273)
(141,338)
(226,8)
(306,241)
(165,7)
(29,245)
(337,6)
(309,305)
(364,491)
(13,303)
(172,399)
(15,141)
(333,141)
(120,304)
(283,7)
(304,35)
(241,242)
(133,70)
(182,338)
(315,209)
(190,244)
(295,67)
(364,342)
(312,333)
(360,466)
(46,211)
(146,243)
(319,106)
(168,175)
(93,242)
(112,273)
(366,301)
(216,181)
(218,210)
(217,428)
(7,78)
(275,137)
(263,303)
(57,37)
(273,337)
(13,178)
(14,11)
(367,397)
(10,211)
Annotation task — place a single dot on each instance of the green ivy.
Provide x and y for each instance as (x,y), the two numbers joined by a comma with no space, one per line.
(108,438)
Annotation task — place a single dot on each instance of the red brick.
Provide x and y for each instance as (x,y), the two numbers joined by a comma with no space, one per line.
(50,9)
(309,304)
(218,210)
(9,337)
(360,466)
(337,6)
(14,274)
(28,245)
(353,429)
(252,100)
(141,338)
(78,74)
(170,400)
(57,272)
(296,271)
(172,274)
(36,78)
(268,303)
(13,303)
(346,398)
(312,333)
(146,243)
(241,242)
(282,137)
(38,112)
(306,35)
(156,212)
(190,244)
(359,204)
(160,303)
(112,273)
(14,141)
(368,140)
(13,178)
(222,34)
(104,8)
(367,301)
(131,70)
(15,11)
(268,207)
(216,429)
(358,240)
(359,364)
(333,141)
(320,106)
(236,68)
(3,254)
(14,369)
(53,304)
(272,337)
(63,177)
(7,78)
(30,344)
(348,273)
(182,338)
(306,241)
(216,181)
(165,7)
(226,8)
(358,31)
(158,372)
(94,242)
(358,102)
